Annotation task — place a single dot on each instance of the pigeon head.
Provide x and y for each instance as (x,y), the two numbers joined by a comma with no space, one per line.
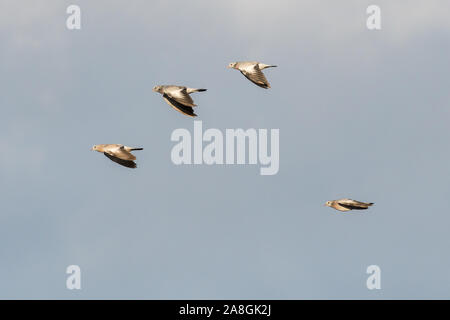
(328,203)
(232,65)
(98,148)
(157,88)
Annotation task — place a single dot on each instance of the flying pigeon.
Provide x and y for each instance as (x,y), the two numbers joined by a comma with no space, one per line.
(348,204)
(252,70)
(178,98)
(118,153)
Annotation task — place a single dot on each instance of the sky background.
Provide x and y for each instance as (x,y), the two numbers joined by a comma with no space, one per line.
(362,114)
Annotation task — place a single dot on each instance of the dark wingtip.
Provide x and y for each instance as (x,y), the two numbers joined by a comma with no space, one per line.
(130,165)
(261,85)
(201,90)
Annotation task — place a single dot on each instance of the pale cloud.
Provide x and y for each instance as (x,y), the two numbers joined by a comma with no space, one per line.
(336,21)
(31,25)
(406,20)
(37,24)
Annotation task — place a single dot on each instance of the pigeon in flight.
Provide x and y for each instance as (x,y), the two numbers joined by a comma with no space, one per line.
(178,98)
(348,204)
(118,153)
(252,70)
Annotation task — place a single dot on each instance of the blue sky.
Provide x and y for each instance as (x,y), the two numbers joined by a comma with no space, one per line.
(362,114)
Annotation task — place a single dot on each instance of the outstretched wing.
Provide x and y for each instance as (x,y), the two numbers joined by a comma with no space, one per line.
(353,204)
(179,107)
(255,75)
(125,163)
(181,96)
(123,154)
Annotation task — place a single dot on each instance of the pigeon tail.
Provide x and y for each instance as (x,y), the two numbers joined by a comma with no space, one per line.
(190,90)
(263,66)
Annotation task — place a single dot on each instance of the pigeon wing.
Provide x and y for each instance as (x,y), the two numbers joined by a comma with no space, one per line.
(255,75)
(123,154)
(181,96)
(353,204)
(179,107)
(125,163)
